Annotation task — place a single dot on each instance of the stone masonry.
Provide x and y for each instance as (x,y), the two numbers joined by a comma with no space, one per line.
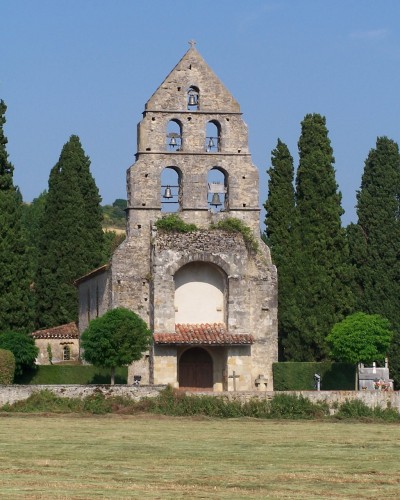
(238,285)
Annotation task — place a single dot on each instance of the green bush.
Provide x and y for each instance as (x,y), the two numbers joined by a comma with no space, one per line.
(70,374)
(171,402)
(23,347)
(356,409)
(297,376)
(173,222)
(233,225)
(7,366)
(294,407)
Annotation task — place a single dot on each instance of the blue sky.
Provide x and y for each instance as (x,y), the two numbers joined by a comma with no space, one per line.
(87,67)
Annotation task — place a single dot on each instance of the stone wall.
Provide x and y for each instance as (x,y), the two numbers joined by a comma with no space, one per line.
(13,393)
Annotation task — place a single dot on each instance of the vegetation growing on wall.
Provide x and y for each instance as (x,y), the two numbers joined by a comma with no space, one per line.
(173,222)
(233,225)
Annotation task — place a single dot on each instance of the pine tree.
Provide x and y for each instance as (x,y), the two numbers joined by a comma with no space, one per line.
(15,295)
(279,234)
(71,241)
(322,283)
(375,241)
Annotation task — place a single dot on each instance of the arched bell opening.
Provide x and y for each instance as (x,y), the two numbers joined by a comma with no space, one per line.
(218,189)
(195,369)
(171,189)
(174,135)
(213,136)
(193,98)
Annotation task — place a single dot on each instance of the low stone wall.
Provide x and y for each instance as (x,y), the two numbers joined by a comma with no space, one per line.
(13,393)
(384,399)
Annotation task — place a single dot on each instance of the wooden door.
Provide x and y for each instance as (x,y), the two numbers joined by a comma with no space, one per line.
(196,369)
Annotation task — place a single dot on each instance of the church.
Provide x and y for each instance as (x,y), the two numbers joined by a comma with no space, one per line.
(209,295)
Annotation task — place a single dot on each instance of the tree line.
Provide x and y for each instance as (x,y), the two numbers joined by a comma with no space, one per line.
(327,271)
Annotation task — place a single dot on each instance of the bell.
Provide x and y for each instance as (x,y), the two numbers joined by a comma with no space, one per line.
(172,142)
(167,193)
(192,100)
(216,202)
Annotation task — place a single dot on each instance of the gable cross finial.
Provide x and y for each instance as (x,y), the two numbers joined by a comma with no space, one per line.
(192,43)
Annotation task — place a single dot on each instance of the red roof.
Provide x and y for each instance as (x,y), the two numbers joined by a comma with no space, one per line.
(68,331)
(214,334)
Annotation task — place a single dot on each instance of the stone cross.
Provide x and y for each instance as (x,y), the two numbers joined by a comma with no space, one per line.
(234,377)
(192,43)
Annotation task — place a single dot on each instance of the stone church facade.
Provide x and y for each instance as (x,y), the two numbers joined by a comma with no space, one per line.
(209,296)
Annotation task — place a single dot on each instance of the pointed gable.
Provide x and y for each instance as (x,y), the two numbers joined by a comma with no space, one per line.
(192,71)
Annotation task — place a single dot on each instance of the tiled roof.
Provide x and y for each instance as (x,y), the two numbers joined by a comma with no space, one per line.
(68,331)
(214,334)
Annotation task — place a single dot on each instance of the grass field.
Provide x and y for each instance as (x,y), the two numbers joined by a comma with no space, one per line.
(114,456)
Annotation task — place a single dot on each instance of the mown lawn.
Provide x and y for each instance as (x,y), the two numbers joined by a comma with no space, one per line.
(158,457)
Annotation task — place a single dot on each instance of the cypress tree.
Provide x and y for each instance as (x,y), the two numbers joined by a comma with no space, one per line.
(15,295)
(375,240)
(323,274)
(279,234)
(71,241)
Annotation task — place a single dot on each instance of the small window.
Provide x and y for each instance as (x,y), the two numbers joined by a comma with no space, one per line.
(193,98)
(174,135)
(66,353)
(213,137)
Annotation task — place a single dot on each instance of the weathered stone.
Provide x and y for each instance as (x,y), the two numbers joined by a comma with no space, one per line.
(144,269)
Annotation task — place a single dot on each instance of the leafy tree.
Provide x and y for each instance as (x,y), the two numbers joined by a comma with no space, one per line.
(71,242)
(375,240)
(22,346)
(15,295)
(117,338)
(361,338)
(7,367)
(323,275)
(279,233)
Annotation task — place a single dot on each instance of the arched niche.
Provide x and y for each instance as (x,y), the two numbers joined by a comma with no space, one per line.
(193,98)
(213,136)
(171,189)
(218,189)
(200,294)
(174,135)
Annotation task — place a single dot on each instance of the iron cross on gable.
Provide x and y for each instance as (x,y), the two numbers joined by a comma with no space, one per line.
(234,377)
(192,43)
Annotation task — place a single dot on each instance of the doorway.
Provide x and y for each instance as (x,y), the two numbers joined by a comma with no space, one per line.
(196,369)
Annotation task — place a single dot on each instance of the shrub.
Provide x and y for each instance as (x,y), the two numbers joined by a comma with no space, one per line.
(293,406)
(7,366)
(22,346)
(356,409)
(173,222)
(233,225)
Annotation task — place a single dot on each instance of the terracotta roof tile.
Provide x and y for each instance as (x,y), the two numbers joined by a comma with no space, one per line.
(205,333)
(68,331)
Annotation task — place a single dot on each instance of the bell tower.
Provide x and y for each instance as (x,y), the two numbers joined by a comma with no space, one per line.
(208,295)
(193,128)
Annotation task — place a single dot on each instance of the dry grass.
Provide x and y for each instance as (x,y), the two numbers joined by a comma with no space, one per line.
(43,457)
